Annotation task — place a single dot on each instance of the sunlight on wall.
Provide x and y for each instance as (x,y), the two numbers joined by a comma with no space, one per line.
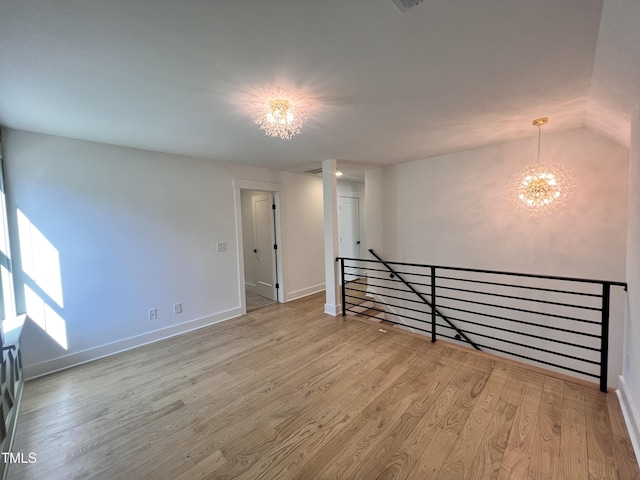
(6,278)
(45,317)
(41,262)
(40,259)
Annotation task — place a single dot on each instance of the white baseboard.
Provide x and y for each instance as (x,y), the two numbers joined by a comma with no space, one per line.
(304,292)
(630,414)
(61,363)
(334,310)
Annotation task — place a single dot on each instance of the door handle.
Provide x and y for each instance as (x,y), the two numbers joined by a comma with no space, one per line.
(255,250)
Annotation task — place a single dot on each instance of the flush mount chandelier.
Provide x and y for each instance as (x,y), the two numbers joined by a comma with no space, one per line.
(541,188)
(279,112)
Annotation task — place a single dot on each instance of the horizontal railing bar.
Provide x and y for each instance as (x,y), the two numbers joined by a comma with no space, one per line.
(359,282)
(565,292)
(395,279)
(442,287)
(518,310)
(497,339)
(407,308)
(355,282)
(548,302)
(417,274)
(528,287)
(559,329)
(419,284)
(370,277)
(483,282)
(563,367)
(495,272)
(383,311)
(387,288)
(367,269)
(386,295)
(383,295)
(398,289)
(385,279)
(444,325)
(523,322)
(406,317)
(529,335)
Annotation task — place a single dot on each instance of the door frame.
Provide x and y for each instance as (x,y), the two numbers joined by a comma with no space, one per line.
(275,188)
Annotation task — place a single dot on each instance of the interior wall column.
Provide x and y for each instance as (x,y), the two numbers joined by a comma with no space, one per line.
(330,200)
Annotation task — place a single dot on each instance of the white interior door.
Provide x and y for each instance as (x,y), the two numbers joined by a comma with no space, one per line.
(264,240)
(349,230)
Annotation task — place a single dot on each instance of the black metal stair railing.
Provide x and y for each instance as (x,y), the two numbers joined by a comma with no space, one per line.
(559,322)
(434,310)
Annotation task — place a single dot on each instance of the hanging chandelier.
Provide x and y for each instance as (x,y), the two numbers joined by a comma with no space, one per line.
(541,188)
(279,113)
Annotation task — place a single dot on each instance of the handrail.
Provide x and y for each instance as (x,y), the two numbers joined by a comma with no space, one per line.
(421,297)
(562,319)
(615,283)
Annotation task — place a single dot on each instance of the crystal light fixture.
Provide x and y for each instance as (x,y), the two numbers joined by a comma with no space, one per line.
(541,188)
(279,113)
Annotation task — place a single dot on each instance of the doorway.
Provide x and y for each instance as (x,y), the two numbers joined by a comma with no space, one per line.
(259,248)
(349,230)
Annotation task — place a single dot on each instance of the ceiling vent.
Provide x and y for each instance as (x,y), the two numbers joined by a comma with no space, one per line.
(315,171)
(404,5)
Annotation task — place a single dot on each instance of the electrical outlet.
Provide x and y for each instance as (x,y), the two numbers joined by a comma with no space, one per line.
(153,313)
(177,308)
(222,246)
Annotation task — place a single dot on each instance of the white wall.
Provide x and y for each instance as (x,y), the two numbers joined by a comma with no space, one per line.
(454,210)
(133,230)
(373,209)
(302,235)
(380,212)
(630,382)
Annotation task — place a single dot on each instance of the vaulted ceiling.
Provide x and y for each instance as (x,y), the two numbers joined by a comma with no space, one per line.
(385,87)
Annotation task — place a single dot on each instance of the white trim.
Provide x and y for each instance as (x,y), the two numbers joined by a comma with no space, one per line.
(91,354)
(631,417)
(303,292)
(256,185)
(276,189)
(334,310)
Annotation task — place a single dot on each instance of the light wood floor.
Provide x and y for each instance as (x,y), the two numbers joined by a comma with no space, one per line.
(288,392)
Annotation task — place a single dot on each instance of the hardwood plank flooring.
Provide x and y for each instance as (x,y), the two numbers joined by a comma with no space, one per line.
(287,392)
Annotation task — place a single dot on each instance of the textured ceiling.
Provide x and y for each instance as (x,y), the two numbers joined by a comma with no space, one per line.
(386,87)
